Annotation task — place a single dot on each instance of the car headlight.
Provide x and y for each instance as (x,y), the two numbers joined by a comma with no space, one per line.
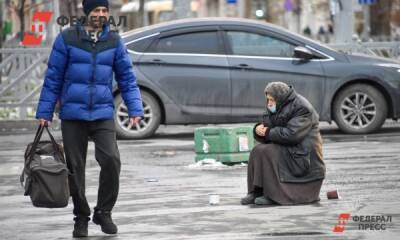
(390,65)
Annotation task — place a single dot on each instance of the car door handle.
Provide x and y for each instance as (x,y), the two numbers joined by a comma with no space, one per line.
(243,66)
(158,61)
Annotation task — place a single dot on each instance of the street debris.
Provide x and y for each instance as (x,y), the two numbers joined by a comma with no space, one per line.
(212,164)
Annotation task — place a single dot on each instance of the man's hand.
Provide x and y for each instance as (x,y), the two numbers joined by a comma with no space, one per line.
(44,122)
(260,130)
(135,120)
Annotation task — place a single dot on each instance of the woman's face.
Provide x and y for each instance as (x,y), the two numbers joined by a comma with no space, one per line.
(270,101)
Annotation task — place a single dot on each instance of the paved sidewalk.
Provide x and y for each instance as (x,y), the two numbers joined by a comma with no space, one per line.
(163,196)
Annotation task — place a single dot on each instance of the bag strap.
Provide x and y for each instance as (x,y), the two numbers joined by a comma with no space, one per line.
(28,155)
(35,143)
(55,145)
(38,135)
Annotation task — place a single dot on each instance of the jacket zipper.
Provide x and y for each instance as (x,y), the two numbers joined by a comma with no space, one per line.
(92,80)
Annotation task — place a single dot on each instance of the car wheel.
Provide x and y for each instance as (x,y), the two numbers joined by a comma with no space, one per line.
(360,109)
(146,127)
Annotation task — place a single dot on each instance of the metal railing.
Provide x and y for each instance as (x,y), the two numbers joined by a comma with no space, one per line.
(21,77)
(381,49)
(22,72)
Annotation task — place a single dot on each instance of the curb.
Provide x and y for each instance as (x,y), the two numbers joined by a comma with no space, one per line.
(11,126)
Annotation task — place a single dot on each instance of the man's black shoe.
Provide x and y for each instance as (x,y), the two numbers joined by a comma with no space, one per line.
(80,227)
(103,218)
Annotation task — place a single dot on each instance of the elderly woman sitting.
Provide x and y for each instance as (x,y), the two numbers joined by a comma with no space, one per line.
(286,167)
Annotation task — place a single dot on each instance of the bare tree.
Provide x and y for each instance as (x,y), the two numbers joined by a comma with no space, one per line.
(1,33)
(381,18)
(22,8)
(1,27)
(140,19)
(395,20)
(21,15)
(69,8)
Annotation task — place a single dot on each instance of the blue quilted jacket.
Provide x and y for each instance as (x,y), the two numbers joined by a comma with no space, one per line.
(80,74)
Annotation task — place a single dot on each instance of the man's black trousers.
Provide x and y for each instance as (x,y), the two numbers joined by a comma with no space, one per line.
(76,134)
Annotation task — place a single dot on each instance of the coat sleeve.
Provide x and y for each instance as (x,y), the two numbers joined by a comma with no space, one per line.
(54,80)
(258,138)
(126,80)
(295,131)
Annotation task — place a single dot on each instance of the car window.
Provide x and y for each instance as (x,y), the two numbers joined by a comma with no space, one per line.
(197,42)
(141,45)
(254,44)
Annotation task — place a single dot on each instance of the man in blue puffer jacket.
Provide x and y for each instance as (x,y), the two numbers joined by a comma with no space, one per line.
(79,76)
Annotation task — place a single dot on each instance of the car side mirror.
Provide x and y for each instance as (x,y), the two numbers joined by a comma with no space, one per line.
(303,53)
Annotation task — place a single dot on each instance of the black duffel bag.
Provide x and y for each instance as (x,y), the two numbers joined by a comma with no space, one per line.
(46,173)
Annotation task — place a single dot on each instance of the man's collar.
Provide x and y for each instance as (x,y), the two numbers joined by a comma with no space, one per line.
(84,34)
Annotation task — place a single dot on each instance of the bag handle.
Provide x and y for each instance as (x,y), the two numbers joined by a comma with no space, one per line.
(28,155)
(38,136)
(55,145)
(37,139)
(35,142)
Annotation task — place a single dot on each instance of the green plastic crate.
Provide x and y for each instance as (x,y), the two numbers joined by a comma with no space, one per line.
(225,157)
(211,140)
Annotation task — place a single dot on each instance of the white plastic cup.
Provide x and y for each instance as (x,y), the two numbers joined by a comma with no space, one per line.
(213,199)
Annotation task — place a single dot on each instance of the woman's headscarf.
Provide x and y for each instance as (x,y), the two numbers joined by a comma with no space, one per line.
(278,90)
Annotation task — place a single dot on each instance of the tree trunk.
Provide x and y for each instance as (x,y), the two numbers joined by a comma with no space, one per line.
(395,21)
(380,19)
(140,20)
(1,34)
(75,9)
(69,8)
(1,27)
(21,15)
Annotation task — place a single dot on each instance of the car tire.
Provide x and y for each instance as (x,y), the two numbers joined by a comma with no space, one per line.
(360,109)
(148,125)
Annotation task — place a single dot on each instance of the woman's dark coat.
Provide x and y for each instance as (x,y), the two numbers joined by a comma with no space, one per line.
(294,128)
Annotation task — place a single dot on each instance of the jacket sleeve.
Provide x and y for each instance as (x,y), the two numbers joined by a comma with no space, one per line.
(295,131)
(126,80)
(53,81)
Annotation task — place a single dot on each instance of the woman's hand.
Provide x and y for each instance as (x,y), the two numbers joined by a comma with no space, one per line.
(260,130)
